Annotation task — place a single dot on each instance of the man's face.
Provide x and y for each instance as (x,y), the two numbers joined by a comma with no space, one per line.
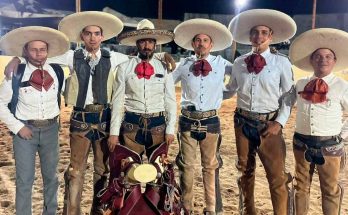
(36,52)
(146,48)
(202,44)
(260,36)
(92,36)
(323,61)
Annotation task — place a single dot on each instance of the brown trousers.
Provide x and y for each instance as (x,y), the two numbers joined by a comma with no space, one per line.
(328,173)
(272,155)
(186,161)
(74,176)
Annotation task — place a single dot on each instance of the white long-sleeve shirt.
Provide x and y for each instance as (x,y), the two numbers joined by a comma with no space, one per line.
(143,95)
(205,93)
(32,104)
(322,119)
(263,92)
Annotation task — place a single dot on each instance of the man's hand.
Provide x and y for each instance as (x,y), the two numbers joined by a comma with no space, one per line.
(25,133)
(112,142)
(11,68)
(170,62)
(273,128)
(169,138)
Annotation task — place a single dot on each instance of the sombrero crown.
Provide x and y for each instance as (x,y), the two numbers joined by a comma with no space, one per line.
(73,24)
(146,29)
(13,42)
(305,44)
(219,34)
(282,25)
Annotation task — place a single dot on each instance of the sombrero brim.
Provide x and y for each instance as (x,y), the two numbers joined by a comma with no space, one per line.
(220,35)
(305,44)
(73,24)
(161,36)
(282,25)
(13,42)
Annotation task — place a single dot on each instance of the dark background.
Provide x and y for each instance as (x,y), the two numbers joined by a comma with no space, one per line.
(175,9)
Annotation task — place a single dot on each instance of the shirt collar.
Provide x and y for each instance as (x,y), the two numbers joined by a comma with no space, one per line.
(98,53)
(33,68)
(208,58)
(327,78)
(264,54)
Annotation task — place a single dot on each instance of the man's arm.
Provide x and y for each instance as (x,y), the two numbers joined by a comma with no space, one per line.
(65,59)
(286,84)
(5,114)
(170,104)
(344,103)
(117,109)
(232,86)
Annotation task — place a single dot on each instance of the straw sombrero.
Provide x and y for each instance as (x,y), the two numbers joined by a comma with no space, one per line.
(220,35)
(13,42)
(305,44)
(145,29)
(282,25)
(73,24)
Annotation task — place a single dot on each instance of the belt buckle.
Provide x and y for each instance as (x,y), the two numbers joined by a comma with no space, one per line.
(254,115)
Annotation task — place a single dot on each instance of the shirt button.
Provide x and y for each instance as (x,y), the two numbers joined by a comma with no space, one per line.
(312,124)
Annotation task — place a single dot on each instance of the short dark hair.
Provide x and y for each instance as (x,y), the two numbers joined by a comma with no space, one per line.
(101,30)
(270,29)
(312,55)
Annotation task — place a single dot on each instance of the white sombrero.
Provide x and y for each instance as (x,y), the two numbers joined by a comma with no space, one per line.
(145,29)
(13,42)
(305,44)
(73,24)
(220,35)
(282,25)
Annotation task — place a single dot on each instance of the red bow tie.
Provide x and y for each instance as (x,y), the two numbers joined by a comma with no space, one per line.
(144,70)
(41,79)
(315,91)
(255,63)
(201,67)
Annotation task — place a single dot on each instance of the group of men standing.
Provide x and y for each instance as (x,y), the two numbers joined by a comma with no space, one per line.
(126,108)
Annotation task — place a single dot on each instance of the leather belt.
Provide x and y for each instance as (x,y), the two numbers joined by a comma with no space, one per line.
(317,138)
(41,123)
(199,114)
(92,108)
(257,116)
(146,115)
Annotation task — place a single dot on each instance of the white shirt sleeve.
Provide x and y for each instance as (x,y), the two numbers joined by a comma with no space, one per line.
(286,84)
(118,102)
(170,104)
(5,114)
(344,102)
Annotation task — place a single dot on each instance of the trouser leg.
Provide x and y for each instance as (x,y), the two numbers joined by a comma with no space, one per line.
(272,155)
(74,175)
(49,155)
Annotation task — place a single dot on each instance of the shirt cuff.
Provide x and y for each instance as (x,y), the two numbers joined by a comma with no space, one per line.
(170,129)
(281,120)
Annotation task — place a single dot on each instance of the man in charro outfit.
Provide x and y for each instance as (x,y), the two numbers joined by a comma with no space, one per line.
(202,82)
(321,100)
(33,93)
(261,78)
(143,115)
(89,91)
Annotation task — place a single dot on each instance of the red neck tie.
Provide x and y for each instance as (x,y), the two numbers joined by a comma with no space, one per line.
(41,79)
(201,67)
(315,91)
(144,70)
(255,63)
